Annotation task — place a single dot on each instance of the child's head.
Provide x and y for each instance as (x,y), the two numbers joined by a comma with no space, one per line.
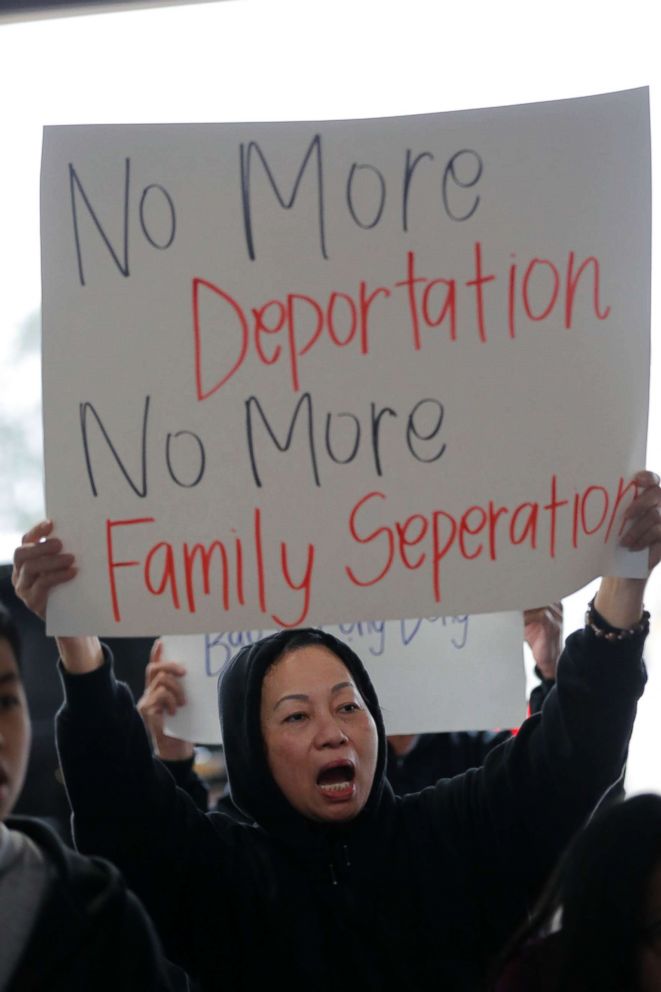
(15,729)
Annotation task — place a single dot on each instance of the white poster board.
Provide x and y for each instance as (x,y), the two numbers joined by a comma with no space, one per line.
(442,673)
(309,372)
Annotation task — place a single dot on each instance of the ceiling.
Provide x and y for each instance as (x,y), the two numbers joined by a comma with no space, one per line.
(19,10)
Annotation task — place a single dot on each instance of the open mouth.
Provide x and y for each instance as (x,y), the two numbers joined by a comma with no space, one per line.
(337,781)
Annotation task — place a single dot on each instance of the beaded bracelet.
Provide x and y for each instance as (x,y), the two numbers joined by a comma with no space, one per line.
(601,627)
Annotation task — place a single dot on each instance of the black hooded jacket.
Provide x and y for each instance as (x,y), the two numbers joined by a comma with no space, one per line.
(91,934)
(415,893)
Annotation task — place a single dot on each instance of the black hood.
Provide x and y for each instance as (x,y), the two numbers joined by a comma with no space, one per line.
(252,786)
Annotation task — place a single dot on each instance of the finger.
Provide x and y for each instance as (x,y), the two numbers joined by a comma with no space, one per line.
(169,682)
(153,664)
(35,596)
(27,577)
(157,649)
(154,668)
(39,531)
(542,615)
(153,718)
(159,701)
(157,661)
(553,617)
(46,582)
(641,525)
(33,552)
(28,567)
(646,537)
(646,478)
(149,708)
(637,516)
(547,607)
(154,706)
(650,496)
(166,666)
(28,588)
(44,563)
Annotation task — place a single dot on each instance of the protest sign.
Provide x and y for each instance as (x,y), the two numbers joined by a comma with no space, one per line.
(315,372)
(441,673)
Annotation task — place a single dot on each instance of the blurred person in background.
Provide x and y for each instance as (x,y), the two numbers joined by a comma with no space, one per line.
(66,922)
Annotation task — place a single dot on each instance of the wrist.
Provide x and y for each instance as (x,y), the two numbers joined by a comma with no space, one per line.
(620,601)
(602,628)
(173,748)
(80,654)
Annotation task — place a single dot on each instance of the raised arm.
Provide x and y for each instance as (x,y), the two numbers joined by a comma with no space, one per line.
(126,806)
(510,820)
(164,694)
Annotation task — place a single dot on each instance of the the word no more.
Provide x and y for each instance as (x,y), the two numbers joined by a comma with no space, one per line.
(339,436)
(367,196)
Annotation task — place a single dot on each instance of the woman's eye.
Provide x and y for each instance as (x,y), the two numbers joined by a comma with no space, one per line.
(8,702)
(349,707)
(295,718)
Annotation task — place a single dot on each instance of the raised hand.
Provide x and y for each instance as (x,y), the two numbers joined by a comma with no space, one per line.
(643,518)
(543,632)
(164,694)
(620,600)
(40,564)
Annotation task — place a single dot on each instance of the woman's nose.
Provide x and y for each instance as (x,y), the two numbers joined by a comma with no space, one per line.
(330,734)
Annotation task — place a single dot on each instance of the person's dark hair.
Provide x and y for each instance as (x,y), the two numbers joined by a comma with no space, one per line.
(9,631)
(301,638)
(599,889)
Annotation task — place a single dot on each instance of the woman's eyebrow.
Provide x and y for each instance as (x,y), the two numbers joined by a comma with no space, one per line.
(8,677)
(300,696)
